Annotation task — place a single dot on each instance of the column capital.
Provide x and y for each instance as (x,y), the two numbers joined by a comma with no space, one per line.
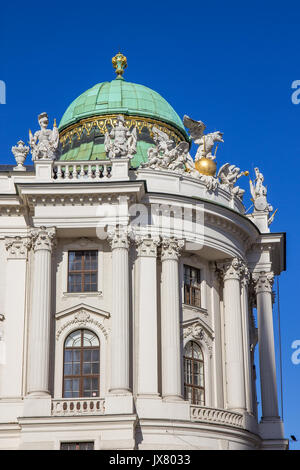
(147,245)
(17,247)
(263,281)
(119,236)
(232,269)
(245,279)
(43,238)
(170,248)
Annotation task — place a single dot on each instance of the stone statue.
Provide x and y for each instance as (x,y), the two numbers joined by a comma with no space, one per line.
(20,152)
(205,142)
(120,141)
(44,143)
(259,193)
(229,174)
(166,154)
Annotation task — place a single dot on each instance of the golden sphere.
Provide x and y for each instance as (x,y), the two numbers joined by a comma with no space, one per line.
(206,166)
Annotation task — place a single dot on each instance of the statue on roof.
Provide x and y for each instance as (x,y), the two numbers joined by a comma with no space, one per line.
(45,142)
(166,154)
(205,142)
(20,152)
(120,141)
(228,175)
(259,193)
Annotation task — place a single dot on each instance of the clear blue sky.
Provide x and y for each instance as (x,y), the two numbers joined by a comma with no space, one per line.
(230,64)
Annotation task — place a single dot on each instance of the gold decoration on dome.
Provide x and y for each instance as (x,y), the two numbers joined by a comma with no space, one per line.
(206,166)
(119,62)
(101,122)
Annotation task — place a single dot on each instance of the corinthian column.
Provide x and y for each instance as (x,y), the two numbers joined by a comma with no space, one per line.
(39,323)
(119,241)
(234,355)
(147,317)
(263,283)
(170,322)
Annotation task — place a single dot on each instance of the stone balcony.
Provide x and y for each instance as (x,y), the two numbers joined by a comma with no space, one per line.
(78,406)
(204,414)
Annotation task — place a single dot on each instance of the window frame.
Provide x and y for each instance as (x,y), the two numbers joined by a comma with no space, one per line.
(77,445)
(192,386)
(83,271)
(81,376)
(192,288)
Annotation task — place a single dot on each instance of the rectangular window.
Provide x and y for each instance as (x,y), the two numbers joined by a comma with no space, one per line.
(83,271)
(76,446)
(192,286)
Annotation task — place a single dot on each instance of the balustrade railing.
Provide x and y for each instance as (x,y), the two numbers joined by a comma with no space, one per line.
(218,416)
(82,171)
(78,406)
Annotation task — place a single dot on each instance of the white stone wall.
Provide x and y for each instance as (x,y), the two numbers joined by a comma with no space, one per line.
(153,387)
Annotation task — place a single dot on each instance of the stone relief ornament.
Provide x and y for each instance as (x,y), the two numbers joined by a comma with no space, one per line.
(120,141)
(170,248)
(232,268)
(196,331)
(82,318)
(263,281)
(45,142)
(205,142)
(166,154)
(43,238)
(20,153)
(17,247)
(228,175)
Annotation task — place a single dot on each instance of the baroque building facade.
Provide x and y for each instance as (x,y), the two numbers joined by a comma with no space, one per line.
(134,288)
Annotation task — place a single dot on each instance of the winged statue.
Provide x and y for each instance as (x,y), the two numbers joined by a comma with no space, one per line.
(228,175)
(205,142)
(166,154)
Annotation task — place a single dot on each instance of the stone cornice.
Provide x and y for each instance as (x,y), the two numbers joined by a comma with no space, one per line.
(12,210)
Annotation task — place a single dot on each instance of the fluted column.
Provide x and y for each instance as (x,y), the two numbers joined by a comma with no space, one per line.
(263,283)
(234,355)
(39,324)
(119,241)
(147,317)
(170,321)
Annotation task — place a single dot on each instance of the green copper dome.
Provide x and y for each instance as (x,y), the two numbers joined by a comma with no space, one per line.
(121,97)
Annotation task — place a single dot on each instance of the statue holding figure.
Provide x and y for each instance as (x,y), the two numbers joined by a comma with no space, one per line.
(228,175)
(205,142)
(120,141)
(45,142)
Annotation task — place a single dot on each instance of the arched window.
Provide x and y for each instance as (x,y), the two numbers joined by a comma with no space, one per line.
(81,365)
(194,389)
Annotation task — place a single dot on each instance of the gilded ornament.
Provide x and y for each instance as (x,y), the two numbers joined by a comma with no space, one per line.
(119,64)
(206,166)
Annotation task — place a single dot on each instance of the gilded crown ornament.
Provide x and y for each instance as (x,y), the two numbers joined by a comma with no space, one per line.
(119,64)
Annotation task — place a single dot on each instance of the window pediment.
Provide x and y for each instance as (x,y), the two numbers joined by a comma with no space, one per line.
(80,316)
